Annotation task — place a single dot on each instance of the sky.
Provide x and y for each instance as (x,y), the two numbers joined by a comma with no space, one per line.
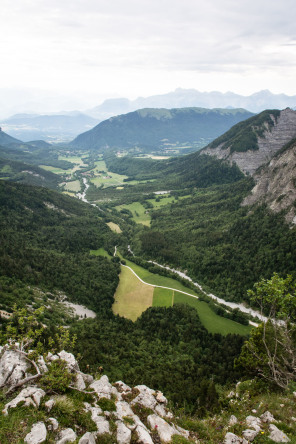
(80,52)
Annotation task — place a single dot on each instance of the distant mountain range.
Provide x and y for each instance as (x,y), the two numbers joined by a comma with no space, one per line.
(52,128)
(181,98)
(161,130)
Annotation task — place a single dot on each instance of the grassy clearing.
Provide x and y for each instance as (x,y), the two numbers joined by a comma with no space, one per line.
(73,186)
(165,201)
(156,279)
(100,252)
(131,297)
(138,211)
(163,297)
(54,169)
(212,322)
(114,227)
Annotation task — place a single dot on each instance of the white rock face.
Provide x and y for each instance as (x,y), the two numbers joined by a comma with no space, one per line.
(49,404)
(66,435)
(42,365)
(9,359)
(267,417)
(161,398)
(123,433)
(53,424)
(37,435)
(145,398)
(123,409)
(79,382)
(29,396)
(250,435)
(102,387)
(232,420)
(231,438)
(87,438)
(70,360)
(122,387)
(164,430)
(277,435)
(254,422)
(143,436)
(102,424)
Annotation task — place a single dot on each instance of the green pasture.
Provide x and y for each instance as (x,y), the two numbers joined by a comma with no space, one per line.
(73,186)
(212,322)
(54,169)
(100,252)
(164,297)
(138,211)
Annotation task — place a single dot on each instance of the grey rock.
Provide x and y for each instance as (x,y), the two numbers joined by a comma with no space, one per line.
(79,382)
(254,422)
(164,430)
(161,398)
(123,409)
(53,424)
(145,398)
(70,360)
(102,387)
(143,436)
(250,435)
(88,379)
(277,435)
(231,438)
(102,425)
(267,417)
(232,420)
(122,387)
(87,438)
(49,404)
(28,396)
(123,433)
(10,359)
(66,435)
(37,435)
(42,365)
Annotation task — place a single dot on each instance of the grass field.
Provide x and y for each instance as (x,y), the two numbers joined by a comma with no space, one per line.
(164,201)
(54,169)
(100,252)
(163,297)
(212,322)
(138,211)
(73,186)
(131,297)
(114,227)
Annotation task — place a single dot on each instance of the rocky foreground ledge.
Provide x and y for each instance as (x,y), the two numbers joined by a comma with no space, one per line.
(117,412)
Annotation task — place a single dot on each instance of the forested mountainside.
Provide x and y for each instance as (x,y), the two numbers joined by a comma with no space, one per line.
(46,240)
(5,139)
(152,129)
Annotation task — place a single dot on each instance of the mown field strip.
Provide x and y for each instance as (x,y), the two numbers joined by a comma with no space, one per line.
(159,286)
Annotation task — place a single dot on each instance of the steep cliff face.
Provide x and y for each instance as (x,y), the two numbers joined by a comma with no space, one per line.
(273,138)
(275,184)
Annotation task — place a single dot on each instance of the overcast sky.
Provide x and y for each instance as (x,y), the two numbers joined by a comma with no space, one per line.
(128,48)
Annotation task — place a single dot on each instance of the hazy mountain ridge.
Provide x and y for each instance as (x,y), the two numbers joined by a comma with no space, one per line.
(160,129)
(49,127)
(181,98)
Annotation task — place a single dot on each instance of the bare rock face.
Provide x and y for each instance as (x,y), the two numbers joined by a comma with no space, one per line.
(37,435)
(28,396)
(102,387)
(275,184)
(13,367)
(66,435)
(274,138)
(123,433)
(145,398)
(277,435)
(87,438)
(231,438)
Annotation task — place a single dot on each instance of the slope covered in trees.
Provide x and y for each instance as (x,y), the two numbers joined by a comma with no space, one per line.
(151,129)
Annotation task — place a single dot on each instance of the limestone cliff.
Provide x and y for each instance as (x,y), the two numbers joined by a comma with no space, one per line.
(270,139)
(275,184)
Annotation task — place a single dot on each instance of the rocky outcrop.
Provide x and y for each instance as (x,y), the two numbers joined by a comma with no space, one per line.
(273,139)
(275,184)
(123,401)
